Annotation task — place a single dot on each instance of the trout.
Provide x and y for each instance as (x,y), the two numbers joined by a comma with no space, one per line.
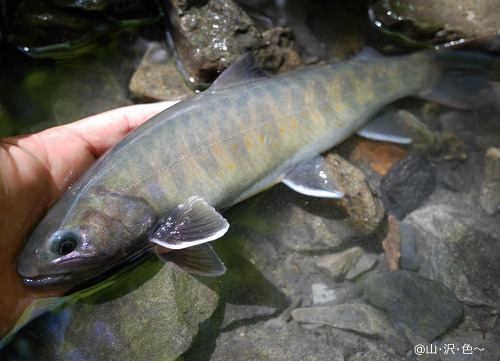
(161,188)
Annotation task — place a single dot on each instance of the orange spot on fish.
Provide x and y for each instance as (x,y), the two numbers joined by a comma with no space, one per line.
(231,165)
(282,130)
(261,138)
(294,124)
(248,143)
(234,146)
(215,149)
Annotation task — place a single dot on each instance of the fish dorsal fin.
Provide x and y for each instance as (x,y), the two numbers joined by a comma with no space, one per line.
(200,260)
(314,178)
(388,126)
(191,223)
(242,71)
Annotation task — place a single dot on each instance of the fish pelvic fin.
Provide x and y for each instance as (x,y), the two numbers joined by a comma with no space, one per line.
(462,78)
(201,260)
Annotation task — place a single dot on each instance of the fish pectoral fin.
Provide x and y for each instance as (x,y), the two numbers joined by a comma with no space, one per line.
(201,260)
(388,126)
(191,223)
(314,178)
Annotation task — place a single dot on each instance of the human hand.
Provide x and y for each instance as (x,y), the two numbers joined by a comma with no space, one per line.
(35,170)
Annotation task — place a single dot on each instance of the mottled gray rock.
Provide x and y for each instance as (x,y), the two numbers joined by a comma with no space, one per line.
(460,251)
(347,264)
(210,35)
(157,77)
(439,20)
(279,53)
(356,317)
(150,318)
(407,184)
(409,254)
(91,90)
(490,189)
(321,293)
(315,224)
(273,341)
(375,355)
(425,307)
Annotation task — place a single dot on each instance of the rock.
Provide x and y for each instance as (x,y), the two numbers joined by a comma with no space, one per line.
(315,224)
(348,264)
(278,53)
(414,303)
(209,36)
(273,341)
(410,260)
(357,317)
(75,97)
(439,21)
(241,314)
(322,294)
(157,77)
(459,250)
(375,355)
(490,189)
(407,184)
(146,318)
(392,244)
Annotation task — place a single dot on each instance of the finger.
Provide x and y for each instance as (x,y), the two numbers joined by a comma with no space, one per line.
(104,130)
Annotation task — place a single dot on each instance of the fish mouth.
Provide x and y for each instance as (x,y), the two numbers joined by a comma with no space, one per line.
(48,282)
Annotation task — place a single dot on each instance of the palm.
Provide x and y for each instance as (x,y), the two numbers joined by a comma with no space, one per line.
(35,171)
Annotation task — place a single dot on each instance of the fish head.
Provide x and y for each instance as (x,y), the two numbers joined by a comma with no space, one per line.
(81,239)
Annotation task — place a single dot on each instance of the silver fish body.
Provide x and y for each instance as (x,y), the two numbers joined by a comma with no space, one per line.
(222,146)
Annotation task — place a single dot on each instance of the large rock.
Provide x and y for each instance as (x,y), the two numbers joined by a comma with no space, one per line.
(459,250)
(209,35)
(420,306)
(149,316)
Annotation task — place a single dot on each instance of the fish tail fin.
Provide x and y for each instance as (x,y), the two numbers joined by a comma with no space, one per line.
(464,78)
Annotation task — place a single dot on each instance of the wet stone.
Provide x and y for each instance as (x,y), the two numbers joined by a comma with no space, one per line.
(407,185)
(272,341)
(93,84)
(490,189)
(356,317)
(347,264)
(459,250)
(322,294)
(155,321)
(423,307)
(279,53)
(439,21)
(157,77)
(209,36)
(410,260)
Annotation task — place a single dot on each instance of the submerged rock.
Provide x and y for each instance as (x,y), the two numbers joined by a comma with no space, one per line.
(438,21)
(272,341)
(157,77)
(147,318)
(422,308)
(356,317)
(490,189)
(347,264)
(209,36)
(407,184)
(459,250)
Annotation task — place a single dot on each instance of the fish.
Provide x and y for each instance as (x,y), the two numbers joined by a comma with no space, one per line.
(163,187)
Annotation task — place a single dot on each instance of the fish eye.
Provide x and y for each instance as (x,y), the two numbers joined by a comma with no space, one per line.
(66,243)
